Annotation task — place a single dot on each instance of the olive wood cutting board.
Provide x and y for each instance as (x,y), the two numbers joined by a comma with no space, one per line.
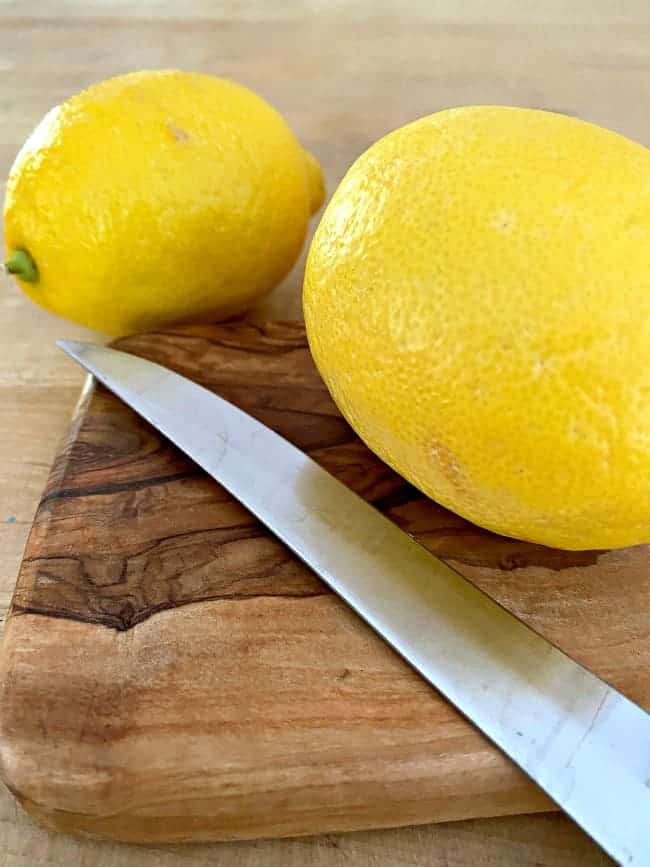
(171,672)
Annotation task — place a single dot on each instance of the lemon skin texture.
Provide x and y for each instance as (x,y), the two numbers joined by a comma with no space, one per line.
(156,197)
(477,300)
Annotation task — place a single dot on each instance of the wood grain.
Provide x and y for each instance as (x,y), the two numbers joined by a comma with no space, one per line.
(341,85)
(171,672)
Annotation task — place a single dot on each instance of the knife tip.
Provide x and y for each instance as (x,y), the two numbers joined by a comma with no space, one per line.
(74,348)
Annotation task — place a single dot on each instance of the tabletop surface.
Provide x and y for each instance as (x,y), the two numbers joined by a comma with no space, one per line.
(343,73)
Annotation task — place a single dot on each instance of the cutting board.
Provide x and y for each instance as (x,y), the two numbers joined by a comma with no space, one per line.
(171,672)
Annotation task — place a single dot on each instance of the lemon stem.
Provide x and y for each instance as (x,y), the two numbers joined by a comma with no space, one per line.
(22,265)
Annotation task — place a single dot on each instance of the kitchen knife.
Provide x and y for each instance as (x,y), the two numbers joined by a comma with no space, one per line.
(584,743)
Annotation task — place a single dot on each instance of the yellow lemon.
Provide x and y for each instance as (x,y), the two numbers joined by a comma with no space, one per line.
(477,299)
(155,197)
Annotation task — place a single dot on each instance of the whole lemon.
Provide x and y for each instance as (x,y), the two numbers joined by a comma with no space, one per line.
(156,197)
(477,299)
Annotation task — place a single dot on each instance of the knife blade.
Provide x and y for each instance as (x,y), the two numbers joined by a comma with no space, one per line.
(583,742)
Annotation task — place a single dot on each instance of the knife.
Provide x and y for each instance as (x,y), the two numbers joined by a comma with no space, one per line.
(584,743)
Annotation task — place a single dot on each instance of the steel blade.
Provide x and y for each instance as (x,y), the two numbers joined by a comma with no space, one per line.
(584,743)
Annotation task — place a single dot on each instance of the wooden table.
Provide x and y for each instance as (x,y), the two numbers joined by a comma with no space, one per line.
(343,73)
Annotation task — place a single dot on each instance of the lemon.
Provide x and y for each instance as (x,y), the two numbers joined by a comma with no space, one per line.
(477,299)
(155,197)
